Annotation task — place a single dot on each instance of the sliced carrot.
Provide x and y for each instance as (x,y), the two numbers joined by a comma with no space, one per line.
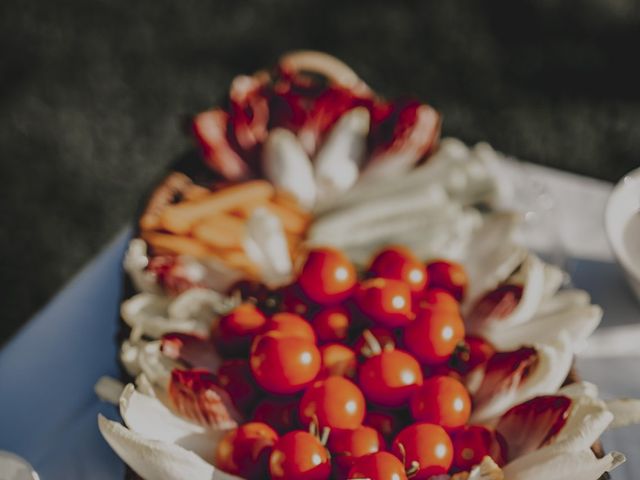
(174,184)
(175,244)
(182,217)
(292,221)
(195,192)
(287,200)
(221,231)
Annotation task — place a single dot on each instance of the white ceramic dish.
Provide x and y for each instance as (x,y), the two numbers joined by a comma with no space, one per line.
(622,223)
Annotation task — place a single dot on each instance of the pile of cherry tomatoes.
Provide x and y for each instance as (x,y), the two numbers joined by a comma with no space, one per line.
(348,377)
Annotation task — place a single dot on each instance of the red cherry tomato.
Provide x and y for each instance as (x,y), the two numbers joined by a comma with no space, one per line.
(279,412)
(282,364)
(472,443)
(331,324)
(474,352)
(349,445)
(374,339)
(378,466)
(449,276)
(426,447)
(398,263)
(336,403)
(290,325)
(245,450)
(337,359)
(433,335)
(387,302)
(327,277)
(436,299)
(390,378)
(299,455)
(441,400)
(235,377)
(237,329)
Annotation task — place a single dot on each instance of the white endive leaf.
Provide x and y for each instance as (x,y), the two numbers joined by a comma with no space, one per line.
(337,164)
(548,374)
(487,470)
(426,202)
(626,411)
(579,322)
(493,256)
(156,366)
(531,276)
(149,314)
(553,279)
(149,417)
(563,300)
(266,245)
(582,465)
(579,389)
(287,166)
(157,460)
(135,264)
(199,304)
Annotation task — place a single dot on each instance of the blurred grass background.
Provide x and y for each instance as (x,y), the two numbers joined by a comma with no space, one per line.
(92,94)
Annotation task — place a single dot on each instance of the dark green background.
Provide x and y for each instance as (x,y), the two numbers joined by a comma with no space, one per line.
(92,93)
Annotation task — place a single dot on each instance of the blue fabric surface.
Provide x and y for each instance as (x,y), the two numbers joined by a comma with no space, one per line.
(48,408)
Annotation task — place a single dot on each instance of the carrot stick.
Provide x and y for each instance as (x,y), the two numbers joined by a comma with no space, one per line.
(221,231)
(165,243)
(292,221)
(182,217)
(162,197)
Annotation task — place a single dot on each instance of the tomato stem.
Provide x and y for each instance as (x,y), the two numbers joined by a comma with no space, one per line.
(372,346)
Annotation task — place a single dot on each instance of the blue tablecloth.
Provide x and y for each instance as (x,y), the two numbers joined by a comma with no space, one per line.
(48,408)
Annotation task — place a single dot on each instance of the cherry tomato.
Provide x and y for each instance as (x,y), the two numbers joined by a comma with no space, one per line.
(475,351)
(282,364)
(426,447)
(472,443)
(327,277)
(235,377)
(336,403)
(449,276)
(398,263)
(331,324)
(349,445)
(387,422)
(279,412)
(245,450)
(237,329)
(387,302)
(299,455)
(441,400)
(437,299)
(378,466)
(373,340)
(390,378)
(433,335)
(337,359)
(290,325)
